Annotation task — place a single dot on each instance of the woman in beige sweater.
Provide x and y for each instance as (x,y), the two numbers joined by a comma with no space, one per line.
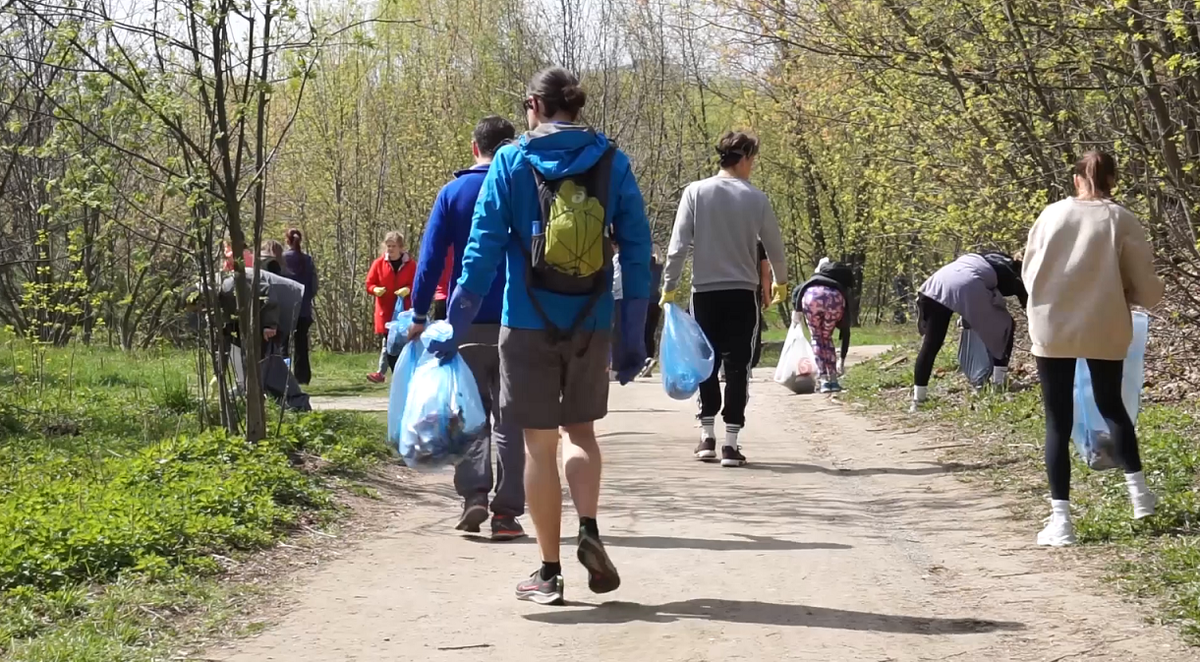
(1087,261)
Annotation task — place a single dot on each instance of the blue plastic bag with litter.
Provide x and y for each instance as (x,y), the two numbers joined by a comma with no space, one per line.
(412,355)
(686,357)
(1091,433)
(973,358)
(443,413)
(398,329)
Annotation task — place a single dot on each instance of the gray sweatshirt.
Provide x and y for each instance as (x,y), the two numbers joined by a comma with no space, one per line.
(723,218)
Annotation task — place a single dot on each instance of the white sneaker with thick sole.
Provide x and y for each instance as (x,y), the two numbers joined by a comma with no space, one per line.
(1144,503)
(1059,532)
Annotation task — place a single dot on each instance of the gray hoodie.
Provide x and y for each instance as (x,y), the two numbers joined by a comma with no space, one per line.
(722,219)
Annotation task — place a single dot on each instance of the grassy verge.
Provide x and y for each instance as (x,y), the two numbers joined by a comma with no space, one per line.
(120,513)
(1157,559)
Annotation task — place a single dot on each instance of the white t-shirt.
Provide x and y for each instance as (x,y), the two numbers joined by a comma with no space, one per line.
(616,288)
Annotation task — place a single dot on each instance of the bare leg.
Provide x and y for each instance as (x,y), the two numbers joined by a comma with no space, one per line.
(543,490)
(582,464)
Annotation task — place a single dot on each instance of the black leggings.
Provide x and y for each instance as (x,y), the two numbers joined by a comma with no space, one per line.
(934,325)
(1058,395)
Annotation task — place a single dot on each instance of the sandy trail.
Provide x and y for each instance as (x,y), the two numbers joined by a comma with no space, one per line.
(841,541)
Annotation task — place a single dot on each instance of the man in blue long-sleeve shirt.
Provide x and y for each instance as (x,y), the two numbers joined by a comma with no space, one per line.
(449,228)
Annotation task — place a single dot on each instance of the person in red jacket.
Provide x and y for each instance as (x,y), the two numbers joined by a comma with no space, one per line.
(390,278)
(438,312)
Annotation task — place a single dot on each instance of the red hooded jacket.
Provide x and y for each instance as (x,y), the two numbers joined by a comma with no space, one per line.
(383,275)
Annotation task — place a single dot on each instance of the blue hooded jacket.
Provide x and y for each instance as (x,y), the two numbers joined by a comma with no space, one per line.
(450,226)
(508,206)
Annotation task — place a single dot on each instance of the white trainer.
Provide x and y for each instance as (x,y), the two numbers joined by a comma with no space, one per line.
(1059,532)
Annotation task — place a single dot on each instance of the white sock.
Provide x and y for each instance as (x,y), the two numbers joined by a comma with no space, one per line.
(708,429)
(919,393)
(1061,509)
(999,374)
(731,435)
(1136,481)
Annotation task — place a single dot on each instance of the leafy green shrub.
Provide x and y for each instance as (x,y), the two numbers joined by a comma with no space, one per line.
(170,504)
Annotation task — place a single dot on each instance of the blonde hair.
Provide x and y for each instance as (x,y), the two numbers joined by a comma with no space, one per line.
(395,236)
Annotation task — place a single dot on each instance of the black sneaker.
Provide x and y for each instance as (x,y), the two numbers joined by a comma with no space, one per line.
(506,527)
(707,450)
(541,591)
(732,457)
(602,574)
(474,514)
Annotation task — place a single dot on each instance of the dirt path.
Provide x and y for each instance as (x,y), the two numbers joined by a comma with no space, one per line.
(842,541)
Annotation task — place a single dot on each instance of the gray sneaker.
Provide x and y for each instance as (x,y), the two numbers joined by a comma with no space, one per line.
(602,574)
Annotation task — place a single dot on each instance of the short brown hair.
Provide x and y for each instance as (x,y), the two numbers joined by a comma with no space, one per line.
(1099,170)
(735,146)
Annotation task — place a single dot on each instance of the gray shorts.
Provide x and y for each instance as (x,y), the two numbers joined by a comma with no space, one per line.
(544,386)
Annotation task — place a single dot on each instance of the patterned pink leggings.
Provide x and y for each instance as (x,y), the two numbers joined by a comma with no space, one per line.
(823,307)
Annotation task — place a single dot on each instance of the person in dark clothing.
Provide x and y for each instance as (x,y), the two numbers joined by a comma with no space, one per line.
(974,286)
(764,284)
(654,314)
(300,268)
(823,300)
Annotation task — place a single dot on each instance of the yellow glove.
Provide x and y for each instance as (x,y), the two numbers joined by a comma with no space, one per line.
(779,292)
(379,291)
(668,296)
(403,292)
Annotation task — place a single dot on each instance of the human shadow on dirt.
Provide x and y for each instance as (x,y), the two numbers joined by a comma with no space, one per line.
(934,468)
(744,543)
(767,613)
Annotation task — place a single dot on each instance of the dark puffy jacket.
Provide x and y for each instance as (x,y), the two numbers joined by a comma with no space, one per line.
(302,270)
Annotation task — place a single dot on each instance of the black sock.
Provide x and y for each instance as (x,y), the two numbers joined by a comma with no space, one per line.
(550,570)
(589,524)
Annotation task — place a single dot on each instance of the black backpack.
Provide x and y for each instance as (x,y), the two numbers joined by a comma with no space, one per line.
(571,247)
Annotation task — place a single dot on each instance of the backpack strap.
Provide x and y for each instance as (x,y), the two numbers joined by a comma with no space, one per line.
(598,178)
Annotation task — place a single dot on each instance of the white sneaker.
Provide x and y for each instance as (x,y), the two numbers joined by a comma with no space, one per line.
(1144,503)
(1059,532)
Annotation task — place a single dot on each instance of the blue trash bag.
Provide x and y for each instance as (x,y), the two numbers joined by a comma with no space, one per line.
(410,357)
(1091,433)
(973,358)
(443,413)
(685,355)
(398,329)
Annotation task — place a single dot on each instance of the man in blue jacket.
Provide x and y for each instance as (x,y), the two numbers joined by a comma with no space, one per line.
(554,340)
(449,228)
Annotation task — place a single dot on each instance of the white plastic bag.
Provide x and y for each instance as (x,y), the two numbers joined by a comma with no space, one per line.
(797,368)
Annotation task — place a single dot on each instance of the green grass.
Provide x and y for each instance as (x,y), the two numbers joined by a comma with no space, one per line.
(337,374)
(117,506)
(1157,559)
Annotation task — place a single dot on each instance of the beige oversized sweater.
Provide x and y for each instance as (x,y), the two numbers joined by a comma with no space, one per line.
(1086,263)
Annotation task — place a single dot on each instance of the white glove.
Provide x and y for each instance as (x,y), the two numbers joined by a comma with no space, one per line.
(841,367)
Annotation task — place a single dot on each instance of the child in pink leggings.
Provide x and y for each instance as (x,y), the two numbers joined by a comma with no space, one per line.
(823,301)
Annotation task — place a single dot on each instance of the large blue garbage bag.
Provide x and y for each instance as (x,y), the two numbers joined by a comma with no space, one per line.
(412,355)
(398,329)
(443,413)
(686,356)
(1091,433)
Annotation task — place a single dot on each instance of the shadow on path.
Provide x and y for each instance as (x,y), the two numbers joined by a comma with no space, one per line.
(747,543)
(767,613)
(934,469)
